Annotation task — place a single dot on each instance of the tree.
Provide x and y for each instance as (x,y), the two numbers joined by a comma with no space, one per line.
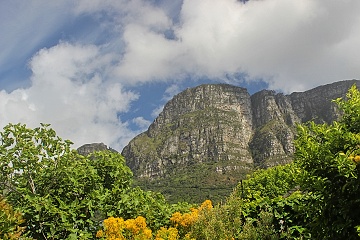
(330,157)
(60,192)
(64,195)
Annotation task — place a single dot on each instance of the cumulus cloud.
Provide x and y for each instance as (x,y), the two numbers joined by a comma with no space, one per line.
(291,45)
(68,91)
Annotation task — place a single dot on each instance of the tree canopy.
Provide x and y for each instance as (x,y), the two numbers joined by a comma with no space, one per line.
(63,194)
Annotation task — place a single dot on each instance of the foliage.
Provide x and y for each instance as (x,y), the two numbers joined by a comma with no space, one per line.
(184,221)
(167,234)
(271,182)
(64,195)
(262,207)
(181,221)
(120,229)
(10,221)
(222,222)
(120,199)
(329,156)
(261,228)
(52,186)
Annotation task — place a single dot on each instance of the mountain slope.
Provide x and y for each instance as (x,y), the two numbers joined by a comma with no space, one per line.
(209,137)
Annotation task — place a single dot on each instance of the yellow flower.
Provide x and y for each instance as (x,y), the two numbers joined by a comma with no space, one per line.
(113,228)
(167,234)
(206,205)
(357,159)
(100,234)
(147,233)
(118,229)
(187,219)
(136,225)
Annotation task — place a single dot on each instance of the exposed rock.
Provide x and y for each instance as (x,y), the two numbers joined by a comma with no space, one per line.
(209,123)
(92,147)
(220,132)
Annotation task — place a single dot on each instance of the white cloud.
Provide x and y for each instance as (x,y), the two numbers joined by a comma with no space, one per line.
(293,45)
(141,122)
(68,92)
(170,91)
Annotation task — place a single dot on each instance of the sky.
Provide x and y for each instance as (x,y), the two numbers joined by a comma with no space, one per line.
(101,70)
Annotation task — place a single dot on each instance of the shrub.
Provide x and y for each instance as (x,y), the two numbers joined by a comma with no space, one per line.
(10,222)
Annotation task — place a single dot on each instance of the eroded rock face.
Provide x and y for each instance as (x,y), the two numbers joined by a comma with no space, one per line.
(211,136)
(209,123)
(224,125)
(316,104)
(86,149)
(274,121)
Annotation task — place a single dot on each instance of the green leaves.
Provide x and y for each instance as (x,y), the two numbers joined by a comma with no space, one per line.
(55,188)
(64,195)
(327,155)
(316,197)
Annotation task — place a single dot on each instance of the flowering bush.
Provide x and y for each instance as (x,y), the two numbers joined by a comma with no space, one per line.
(185,221)
(9,222)
(329,156)
(167,234)
(136,229)
(119,229)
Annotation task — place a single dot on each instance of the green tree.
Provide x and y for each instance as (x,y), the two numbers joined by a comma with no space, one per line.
(64,195)
(54,187)
(61,193)
(119,199)
(271,205)
(329,156)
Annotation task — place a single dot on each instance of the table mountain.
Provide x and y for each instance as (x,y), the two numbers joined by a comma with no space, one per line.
(209,137)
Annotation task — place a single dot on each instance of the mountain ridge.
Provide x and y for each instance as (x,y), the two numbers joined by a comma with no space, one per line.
(209,137)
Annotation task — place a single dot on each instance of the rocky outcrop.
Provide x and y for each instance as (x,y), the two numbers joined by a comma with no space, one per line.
(219,131)
(316,104)
(207,124)
(92,147)
(275,117)
(274,127)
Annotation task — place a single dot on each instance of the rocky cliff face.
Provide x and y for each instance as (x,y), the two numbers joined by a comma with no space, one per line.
(220,132)
(92,147)
(210,123)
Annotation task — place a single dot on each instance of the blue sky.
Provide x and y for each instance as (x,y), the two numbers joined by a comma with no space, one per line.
(101,70)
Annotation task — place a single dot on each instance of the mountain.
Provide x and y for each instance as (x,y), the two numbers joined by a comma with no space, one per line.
(93,147)
(209,137)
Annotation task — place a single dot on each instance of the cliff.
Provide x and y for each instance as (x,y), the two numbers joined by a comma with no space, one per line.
(211,136)
(93,147)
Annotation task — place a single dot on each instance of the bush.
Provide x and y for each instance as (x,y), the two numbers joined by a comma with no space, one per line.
(329,157)
(10,222)
(64,195)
